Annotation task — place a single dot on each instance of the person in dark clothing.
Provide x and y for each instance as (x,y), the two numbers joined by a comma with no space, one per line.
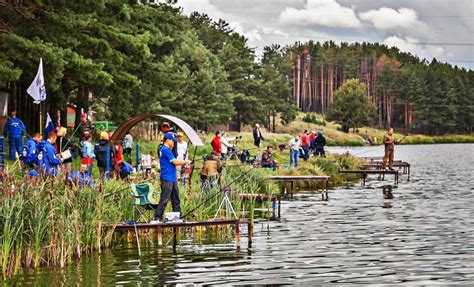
(257,135)
(64,144)
(320,143)
(100,151)
(267,159)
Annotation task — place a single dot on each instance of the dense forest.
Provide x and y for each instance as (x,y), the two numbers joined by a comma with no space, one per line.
(123,58)
(409,93)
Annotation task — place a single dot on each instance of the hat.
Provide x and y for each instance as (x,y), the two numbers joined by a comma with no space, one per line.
(170,136)
(104,136)
(180,134)
(33,173)
(257,125)
(313,132)
(320,133)
(218,132)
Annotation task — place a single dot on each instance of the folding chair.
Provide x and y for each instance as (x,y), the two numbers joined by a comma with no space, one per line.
(145,199)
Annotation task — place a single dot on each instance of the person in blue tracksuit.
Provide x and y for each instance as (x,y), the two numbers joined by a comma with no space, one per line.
(29,155)
(81,177)
(15,129)
(50,161)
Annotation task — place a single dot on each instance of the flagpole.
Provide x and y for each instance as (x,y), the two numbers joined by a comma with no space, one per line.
(41,118)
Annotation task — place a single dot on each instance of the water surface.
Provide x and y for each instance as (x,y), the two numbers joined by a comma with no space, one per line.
(425,234)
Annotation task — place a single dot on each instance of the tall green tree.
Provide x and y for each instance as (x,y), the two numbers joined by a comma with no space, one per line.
(350,108)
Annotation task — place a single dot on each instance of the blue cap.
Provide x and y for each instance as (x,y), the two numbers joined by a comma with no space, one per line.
(170,136)
(33,173)
(320,133)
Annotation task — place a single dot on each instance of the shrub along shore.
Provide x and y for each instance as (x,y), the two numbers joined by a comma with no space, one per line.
(46,222)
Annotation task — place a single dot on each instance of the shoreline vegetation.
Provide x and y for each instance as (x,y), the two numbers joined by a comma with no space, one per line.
(46,222)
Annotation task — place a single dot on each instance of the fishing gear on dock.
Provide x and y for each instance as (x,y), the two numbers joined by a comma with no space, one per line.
(224,188)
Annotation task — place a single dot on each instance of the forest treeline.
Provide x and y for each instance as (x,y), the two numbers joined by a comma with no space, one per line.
(124,58)
(409,93)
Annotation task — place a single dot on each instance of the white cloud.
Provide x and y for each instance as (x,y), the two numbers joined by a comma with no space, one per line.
(412,45)
(326,13)
(390,19)
(206,7)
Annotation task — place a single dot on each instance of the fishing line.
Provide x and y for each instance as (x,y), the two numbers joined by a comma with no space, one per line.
(219,191)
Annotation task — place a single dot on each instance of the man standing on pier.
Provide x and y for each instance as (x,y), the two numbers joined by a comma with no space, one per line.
(168,177)
(389,149)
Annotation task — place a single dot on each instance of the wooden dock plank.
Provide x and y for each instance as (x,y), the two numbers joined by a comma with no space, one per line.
(290,179)
(175,226)
(365,172)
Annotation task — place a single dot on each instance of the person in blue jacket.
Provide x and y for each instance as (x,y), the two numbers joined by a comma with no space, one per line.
(50,161)
(81,177)
(15,129)
(29,155)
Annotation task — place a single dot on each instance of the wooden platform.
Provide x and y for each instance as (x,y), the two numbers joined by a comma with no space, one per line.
(404,166)
(265,197)
(290,179)
(175,226)
(365,173)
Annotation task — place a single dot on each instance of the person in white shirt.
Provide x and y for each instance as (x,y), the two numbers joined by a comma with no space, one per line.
(127,146)
(294,145)
(182,154)
(225,144)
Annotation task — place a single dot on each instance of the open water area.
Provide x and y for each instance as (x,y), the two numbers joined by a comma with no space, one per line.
(424,235)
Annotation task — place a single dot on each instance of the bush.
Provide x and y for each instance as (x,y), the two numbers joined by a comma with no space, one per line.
(311,118)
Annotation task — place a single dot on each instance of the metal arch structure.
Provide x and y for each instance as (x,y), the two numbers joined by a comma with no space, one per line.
(123,128)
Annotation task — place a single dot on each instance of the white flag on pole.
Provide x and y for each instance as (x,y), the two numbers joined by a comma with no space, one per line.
(37,89)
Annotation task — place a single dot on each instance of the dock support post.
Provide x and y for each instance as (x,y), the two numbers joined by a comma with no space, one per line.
(292,186)
(250,230)
(175,237)
(159,235)
(237,234)
(279,207)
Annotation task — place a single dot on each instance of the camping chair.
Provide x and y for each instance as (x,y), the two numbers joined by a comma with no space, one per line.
(145,198)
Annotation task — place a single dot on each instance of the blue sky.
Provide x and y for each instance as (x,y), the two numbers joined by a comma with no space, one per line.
(427,28)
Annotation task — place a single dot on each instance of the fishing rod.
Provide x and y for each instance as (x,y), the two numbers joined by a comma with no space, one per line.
(225,188)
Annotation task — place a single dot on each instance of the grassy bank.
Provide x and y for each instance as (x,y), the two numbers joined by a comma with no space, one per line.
(339,138)
(47,223)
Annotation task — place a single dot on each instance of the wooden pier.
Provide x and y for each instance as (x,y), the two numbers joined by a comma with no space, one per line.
(404,166)
(366,172)
(176,226)
(275,199)
(289,187)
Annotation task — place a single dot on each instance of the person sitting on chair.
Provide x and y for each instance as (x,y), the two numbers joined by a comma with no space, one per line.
(267,158)
(210,171)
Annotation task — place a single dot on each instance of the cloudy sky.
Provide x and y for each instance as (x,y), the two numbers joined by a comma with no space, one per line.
(428,28)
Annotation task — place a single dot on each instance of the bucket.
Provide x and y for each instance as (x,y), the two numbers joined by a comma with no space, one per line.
(173,217)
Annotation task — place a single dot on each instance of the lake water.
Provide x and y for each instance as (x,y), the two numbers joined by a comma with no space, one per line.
(424,235)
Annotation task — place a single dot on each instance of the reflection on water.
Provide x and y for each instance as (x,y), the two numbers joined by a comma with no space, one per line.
(423,235)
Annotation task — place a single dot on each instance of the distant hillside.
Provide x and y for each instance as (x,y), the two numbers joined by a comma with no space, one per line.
(421,96)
